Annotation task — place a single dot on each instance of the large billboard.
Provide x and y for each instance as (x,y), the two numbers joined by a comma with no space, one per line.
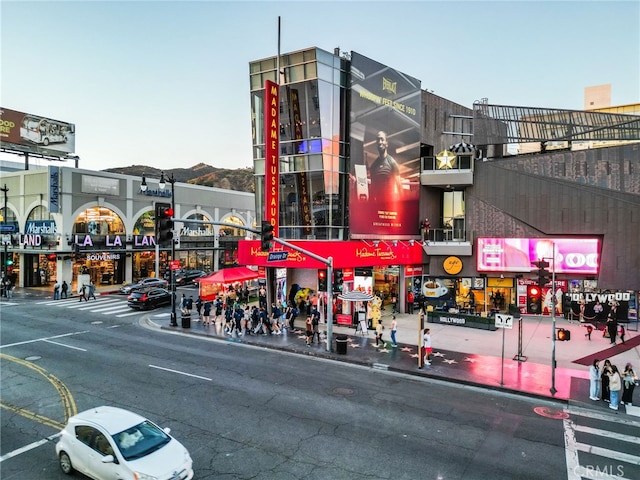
(572,255)
(385,115)
(26,132)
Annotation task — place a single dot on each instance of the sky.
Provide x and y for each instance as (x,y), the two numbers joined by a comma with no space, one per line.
(166,83)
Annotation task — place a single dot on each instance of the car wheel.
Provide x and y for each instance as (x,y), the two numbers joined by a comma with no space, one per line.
(65,463)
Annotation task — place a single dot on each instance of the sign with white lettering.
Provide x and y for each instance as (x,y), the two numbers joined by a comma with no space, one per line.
(504,321)
(277,256)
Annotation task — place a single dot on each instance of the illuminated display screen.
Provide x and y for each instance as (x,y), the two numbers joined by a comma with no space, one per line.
(572,255)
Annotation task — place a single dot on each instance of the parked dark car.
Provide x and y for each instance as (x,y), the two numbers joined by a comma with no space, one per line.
(149,298)
(188,276)
(145,282)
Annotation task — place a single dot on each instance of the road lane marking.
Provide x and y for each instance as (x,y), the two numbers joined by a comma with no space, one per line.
(42,339)
(180,373)
(63,345)
(26,448)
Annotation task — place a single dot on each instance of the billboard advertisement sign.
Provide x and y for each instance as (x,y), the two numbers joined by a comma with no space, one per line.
(385,115)
(32,133)
(572,255)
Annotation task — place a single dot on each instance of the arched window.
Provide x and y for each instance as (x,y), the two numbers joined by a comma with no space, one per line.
(233,230)
(98,221)
(146,224)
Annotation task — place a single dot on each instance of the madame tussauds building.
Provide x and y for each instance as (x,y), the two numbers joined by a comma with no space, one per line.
(63,223)
(339,122)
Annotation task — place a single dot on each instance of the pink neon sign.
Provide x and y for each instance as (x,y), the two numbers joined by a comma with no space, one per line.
(572,255)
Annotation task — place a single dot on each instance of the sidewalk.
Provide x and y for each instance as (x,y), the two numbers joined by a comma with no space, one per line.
(463,355)
(483,367)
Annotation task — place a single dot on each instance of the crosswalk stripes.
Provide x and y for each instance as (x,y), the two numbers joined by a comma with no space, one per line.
(601,444)
(113,306)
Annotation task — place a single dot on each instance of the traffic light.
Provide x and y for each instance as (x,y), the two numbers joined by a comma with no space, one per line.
(164,223)
(267,236)
(534,299)
(8,262)
(338,280)
(563,335)
(544,276)
(322,280)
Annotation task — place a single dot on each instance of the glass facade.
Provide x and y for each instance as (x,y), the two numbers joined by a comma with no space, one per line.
(313,173)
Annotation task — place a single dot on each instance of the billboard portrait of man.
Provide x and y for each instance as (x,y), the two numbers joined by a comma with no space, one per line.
(385,150)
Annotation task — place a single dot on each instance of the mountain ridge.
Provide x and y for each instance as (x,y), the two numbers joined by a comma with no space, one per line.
(240,179)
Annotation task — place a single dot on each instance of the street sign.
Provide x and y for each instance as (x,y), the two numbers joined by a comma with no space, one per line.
(504,321)
(277,256)
(6,240)
(7,228)
(174,265)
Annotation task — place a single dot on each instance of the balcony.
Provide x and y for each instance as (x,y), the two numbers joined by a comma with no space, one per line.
(456,171)
(447,241)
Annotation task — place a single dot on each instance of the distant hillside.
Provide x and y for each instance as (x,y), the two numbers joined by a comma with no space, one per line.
(240,179)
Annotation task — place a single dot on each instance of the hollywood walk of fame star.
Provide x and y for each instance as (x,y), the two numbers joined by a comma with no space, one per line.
(406,349)
(449,361)
(438,354)
(472,360)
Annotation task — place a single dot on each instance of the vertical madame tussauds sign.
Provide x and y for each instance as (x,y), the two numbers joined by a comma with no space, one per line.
(272,154)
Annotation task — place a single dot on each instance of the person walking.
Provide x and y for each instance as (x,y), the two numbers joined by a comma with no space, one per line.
(629,379)
(206,313)
(308,330)
(394,329)
(199,306)
(410,300)
(83,293)
(621,332)
(615,387)
(315,324)
(426,345)
(612,329)
(379,329)
(594,380)
(56,291)
(604,378)
(64,290)
(92,291)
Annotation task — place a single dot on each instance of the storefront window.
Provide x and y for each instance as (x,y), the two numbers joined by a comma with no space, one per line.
(98,221)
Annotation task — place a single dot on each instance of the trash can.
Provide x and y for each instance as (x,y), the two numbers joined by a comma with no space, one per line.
(341,344)
(186,321)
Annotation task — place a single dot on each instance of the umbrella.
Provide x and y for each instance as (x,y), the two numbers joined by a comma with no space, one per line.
(356,296)
(462,148)
(229,275)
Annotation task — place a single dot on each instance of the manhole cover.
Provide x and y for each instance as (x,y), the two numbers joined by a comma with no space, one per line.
(33,358)
(345,392)
(551,413)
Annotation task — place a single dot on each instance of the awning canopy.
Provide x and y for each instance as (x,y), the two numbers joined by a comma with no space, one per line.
(356,296)
(462,148)
(229,275)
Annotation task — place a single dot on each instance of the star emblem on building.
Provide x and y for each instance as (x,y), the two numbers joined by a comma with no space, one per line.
(445,159)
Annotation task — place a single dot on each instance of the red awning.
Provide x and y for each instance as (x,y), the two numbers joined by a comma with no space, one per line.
(229,275)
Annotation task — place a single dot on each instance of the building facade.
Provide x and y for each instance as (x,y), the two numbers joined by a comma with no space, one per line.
(62,223)
(469,185)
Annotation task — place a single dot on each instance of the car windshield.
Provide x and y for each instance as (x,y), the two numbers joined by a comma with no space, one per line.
(141,440)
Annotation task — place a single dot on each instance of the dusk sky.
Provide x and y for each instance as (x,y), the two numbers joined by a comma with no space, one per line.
(166,83)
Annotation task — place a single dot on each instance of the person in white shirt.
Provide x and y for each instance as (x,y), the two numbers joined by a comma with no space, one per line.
(426,345)
(594,380)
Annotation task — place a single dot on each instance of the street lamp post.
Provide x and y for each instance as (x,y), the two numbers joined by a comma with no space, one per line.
(4,222)
(162,184)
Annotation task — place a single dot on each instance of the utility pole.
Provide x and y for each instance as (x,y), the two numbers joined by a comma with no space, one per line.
(4,223)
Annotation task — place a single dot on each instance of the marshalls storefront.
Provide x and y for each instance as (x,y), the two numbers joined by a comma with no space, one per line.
(60,223)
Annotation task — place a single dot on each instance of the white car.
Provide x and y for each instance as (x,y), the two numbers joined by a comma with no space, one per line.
(109,443)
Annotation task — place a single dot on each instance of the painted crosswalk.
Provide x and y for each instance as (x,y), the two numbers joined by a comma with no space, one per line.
(601,444)
(105,305)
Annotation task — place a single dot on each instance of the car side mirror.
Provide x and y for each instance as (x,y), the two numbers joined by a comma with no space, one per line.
(109,459)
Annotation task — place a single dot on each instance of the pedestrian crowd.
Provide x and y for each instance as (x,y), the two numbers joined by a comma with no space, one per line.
(614,387)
